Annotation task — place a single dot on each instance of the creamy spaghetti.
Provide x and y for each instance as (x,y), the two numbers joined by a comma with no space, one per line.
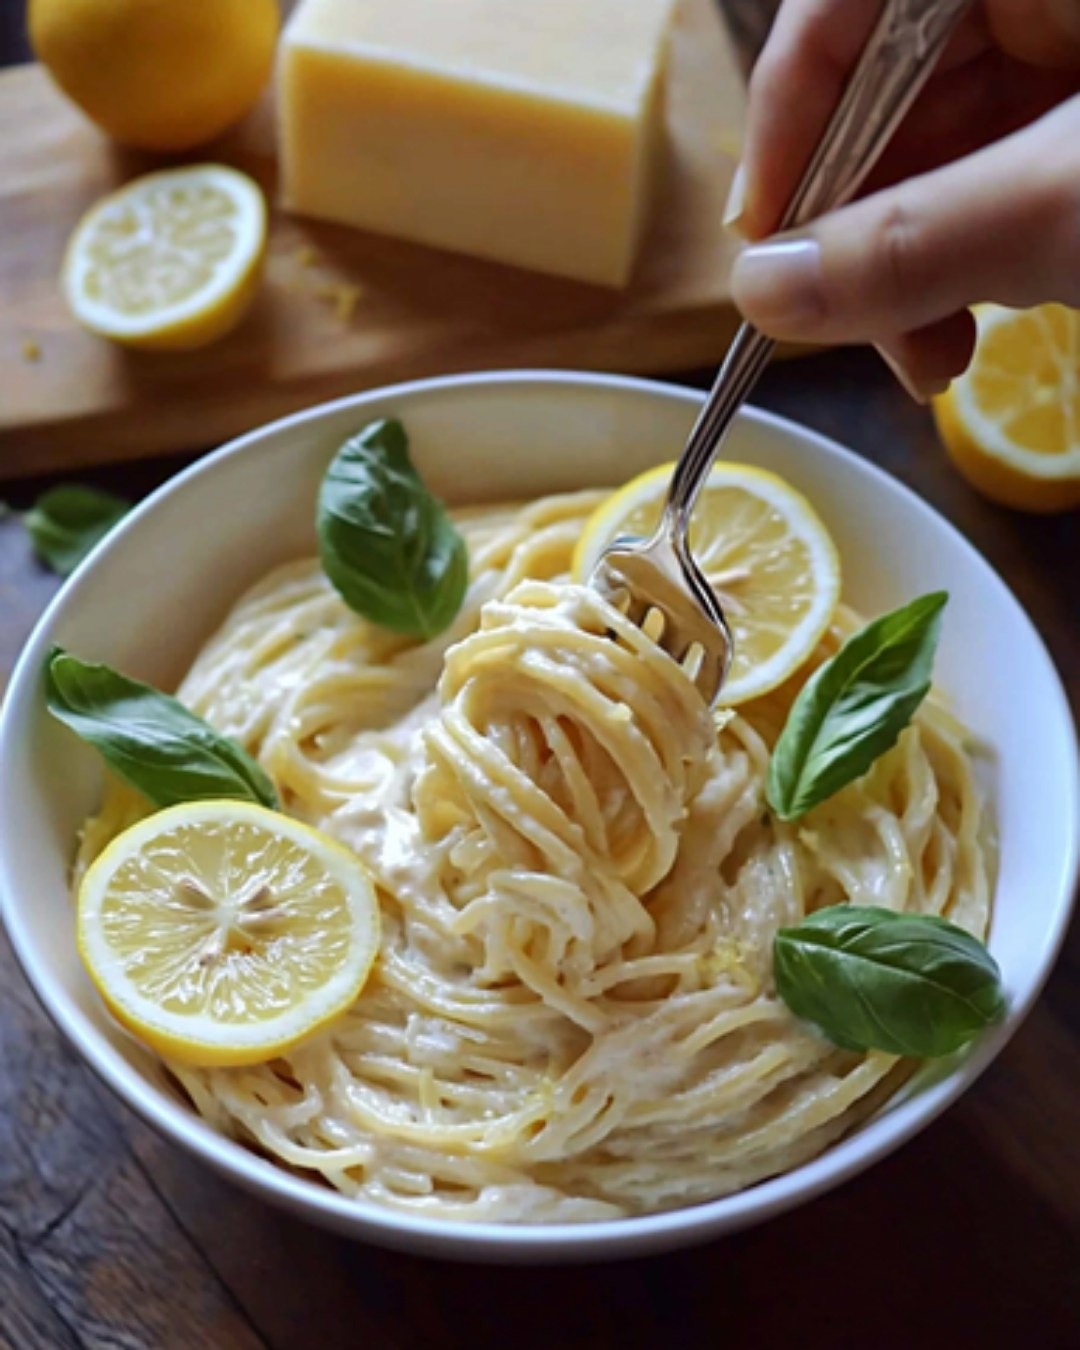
(572,1016)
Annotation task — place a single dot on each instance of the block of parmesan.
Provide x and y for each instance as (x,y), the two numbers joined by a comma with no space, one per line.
(524,131)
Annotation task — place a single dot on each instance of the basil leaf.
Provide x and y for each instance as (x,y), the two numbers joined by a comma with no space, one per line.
(150,739)
(386,543)
(66,522)
(853,708)
(872,979)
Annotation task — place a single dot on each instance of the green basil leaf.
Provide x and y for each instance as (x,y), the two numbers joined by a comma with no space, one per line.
(853,708)
(871,979)
(150,739)
(386,543)
(66,522)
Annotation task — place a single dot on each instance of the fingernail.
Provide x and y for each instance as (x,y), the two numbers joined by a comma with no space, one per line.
(920,393)
(736,199)
(779,285)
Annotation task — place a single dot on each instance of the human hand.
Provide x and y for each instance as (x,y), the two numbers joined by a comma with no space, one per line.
(976,198)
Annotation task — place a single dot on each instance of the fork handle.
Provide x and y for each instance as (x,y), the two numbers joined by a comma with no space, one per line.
(895,63)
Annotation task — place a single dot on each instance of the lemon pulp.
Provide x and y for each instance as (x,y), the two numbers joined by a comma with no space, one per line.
(763,549)
(1011,423)
(222,932)
(171,260)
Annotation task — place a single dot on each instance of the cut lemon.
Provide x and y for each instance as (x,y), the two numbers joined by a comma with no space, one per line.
(765,552)
(1011,423)
(172,260)
(221,933)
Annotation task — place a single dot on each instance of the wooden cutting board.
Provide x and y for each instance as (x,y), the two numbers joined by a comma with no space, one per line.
(340,310)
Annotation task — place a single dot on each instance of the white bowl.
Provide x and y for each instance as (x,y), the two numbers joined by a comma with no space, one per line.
(159,584)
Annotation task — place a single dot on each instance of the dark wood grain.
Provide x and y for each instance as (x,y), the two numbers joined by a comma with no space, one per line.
(970,1236)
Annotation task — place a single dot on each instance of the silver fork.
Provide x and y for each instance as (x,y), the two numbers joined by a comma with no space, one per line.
(656,580)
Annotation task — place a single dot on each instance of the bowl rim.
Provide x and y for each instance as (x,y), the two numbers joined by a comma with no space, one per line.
(505,1242)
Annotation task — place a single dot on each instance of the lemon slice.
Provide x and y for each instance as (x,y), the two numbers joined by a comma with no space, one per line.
(1011,423)
(222,933)
(765,552)
(172,260)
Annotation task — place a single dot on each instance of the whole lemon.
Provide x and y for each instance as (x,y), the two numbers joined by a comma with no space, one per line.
(158,74)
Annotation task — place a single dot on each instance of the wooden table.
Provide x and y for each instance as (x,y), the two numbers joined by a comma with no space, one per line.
(970,1236)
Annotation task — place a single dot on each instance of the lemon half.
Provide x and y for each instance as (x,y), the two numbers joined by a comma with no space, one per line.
(764,550)
(1011,422)
(171,260)
(221,933)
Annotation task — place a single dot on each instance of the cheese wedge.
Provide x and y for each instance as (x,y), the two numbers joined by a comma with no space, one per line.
(524,131)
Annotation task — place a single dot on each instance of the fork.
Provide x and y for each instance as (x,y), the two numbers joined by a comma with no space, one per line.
(656,581)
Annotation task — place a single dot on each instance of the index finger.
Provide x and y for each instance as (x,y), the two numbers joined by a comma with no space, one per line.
(795,85)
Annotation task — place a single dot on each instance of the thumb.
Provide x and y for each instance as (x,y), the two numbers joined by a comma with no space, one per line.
(1002,224)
